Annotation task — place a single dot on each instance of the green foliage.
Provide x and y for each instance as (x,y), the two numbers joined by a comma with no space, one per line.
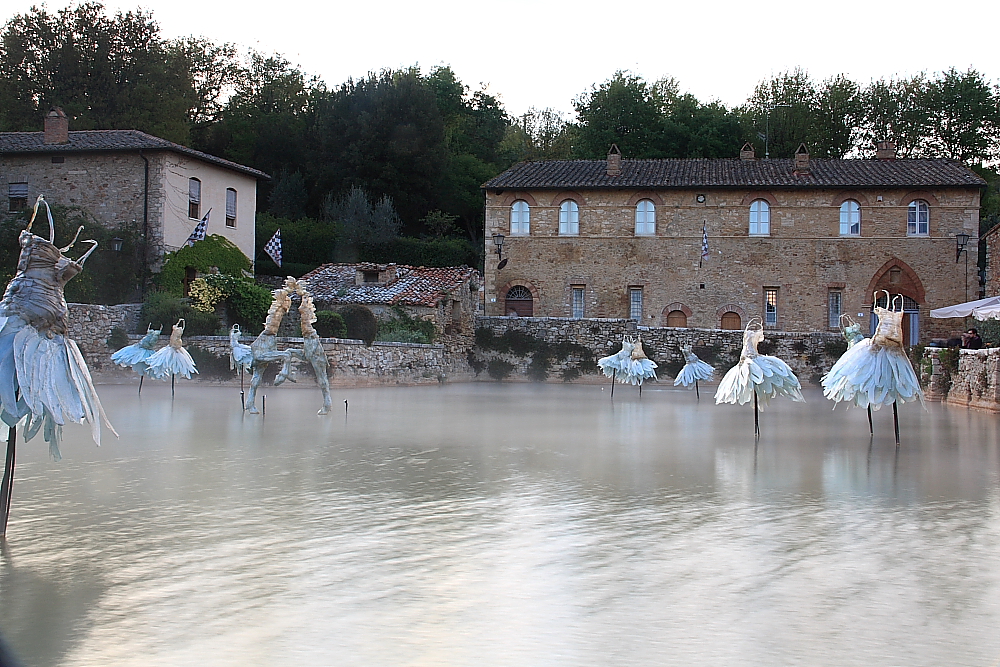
(247,302)
(424,252)
(213,251)
(989,331)
(477,365)
(330,324)
(360,322)
(117,339)
(108,277)
(543,354)
(948,365)
(163,310)
(361,222)
(305,244)
(835,348)
(499,369)
(403,328)
(439,224)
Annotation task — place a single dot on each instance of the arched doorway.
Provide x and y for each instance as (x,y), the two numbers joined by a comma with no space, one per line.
(519,302)
(732,321)
(677,318)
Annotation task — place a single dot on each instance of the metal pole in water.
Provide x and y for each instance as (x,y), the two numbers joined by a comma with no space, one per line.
(895,421)
(173,378)
(6,488)
(141,378)
(263,404)
(871,429)
(756,416)
(696,392)
(614,374)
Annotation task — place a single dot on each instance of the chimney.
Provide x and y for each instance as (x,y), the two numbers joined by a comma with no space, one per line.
(802,160)
(747,152)
(885,150)
(56,127)
(614,161)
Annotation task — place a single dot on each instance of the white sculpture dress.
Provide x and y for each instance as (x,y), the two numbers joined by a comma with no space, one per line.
(875,371)
(768,376)
(43,376)
(639,367)
(694,369)
(617,363)
(172,359)
(240,354)
(136,355)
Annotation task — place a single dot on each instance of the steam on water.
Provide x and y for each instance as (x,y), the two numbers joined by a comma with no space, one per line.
(505,524)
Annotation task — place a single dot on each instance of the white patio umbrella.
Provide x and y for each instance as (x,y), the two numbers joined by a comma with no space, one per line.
(987,312)
(966,309)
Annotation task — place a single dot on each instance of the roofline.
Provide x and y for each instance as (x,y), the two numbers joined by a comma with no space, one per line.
(171,146)
(749,186)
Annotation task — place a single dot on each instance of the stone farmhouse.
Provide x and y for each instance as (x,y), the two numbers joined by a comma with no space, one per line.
(447,296)
(711,243)
(127,177)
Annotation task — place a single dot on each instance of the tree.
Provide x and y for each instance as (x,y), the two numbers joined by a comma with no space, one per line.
(893,110)
(963,117)
(538,134)
(624,110)
(361,222)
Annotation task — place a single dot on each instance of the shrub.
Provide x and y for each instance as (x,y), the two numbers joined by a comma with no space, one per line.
(477,365)
(403,328)
(118,338)
(422,252)
(360,322)
(330,324)
(214,250)
(163,310)
(499,369)
(246,301)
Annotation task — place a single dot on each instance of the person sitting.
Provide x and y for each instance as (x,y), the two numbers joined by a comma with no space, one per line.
(971,340)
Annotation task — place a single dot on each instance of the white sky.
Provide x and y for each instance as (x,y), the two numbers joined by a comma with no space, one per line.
(541,53)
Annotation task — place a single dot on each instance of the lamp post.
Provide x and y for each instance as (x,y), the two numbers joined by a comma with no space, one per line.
(961,241)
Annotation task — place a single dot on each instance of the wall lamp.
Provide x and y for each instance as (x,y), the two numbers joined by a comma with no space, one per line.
(961,240)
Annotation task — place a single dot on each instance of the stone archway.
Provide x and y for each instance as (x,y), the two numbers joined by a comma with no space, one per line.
(897,278)
(518,301)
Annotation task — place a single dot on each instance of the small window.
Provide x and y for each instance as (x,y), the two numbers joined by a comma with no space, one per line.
(834,308)
(58,159)
(677,318)
(194,198)
(918,217)
(520,218)
(579,293)
(771,307)
(635,303)
(760,218)
(850,218)
(370,276)
(645,218)
(17,197)
(230,207)
(569,218)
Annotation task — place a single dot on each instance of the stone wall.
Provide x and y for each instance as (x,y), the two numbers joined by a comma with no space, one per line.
(974,384)
(809,354)
(91,324)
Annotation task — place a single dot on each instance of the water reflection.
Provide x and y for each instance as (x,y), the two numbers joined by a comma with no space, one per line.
(506,524)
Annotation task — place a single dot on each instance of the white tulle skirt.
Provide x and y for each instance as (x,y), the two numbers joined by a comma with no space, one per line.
(240,356)
(769,376)
(872,376)
(133,356)
(638,371)
(693,371)
(169,361)
(616,364)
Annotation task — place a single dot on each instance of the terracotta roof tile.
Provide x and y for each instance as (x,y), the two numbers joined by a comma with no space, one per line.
(413,286)
(734,173)
(89,141)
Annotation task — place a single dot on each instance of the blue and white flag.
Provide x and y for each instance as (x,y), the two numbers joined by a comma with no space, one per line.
(273,247)
(198,234)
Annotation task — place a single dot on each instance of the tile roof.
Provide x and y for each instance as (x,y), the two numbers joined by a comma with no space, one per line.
(90,141)
(413,285)
(734,173)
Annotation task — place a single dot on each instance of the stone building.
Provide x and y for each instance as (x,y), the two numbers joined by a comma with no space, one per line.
(991,239)
(130,178)
(713,242)
(448,296)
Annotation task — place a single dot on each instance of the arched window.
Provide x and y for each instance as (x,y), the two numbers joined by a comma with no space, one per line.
(520,218)
(519,302)
(677,318)
(760,217)
(194,198)
(918,218)
(850,218)
(645,218)
(569,218)
(230,207)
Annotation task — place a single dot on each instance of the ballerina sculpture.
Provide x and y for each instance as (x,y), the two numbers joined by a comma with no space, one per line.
(876,371)
(757,376)
(136,355)
(694,369)
(240,354)
(43,376)
(173,359)
(639,367)
(616,363)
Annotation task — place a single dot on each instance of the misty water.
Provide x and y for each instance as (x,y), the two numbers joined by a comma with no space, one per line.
(505,524)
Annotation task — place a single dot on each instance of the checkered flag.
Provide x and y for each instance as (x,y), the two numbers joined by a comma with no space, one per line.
(273,247)
(198,234)
(704,242)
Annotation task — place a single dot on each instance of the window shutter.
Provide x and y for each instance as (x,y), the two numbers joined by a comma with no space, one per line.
(18,190)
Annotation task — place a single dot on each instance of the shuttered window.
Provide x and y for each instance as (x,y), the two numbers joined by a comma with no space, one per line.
(230,207)
(17,197)
(194,198)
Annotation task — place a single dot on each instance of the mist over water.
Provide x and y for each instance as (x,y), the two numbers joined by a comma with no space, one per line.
(505,524)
